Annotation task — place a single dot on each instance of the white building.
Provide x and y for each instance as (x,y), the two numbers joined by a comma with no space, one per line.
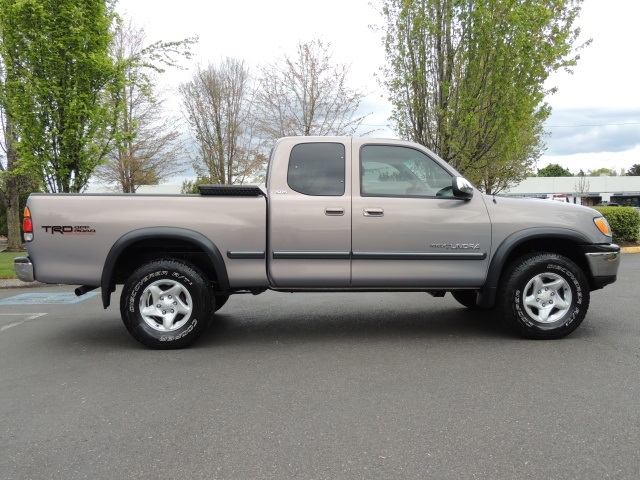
(585,190)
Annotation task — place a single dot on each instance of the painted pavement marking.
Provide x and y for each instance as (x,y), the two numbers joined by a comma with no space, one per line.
(32,316)
(65,298)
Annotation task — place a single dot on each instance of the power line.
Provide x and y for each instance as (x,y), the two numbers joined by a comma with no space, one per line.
(593,125)
(547,126)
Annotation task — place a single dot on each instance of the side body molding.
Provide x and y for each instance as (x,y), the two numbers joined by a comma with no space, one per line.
(488,292)
(171,233)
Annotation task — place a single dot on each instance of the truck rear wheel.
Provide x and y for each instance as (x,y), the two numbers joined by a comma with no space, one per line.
(166,304)
(544,296)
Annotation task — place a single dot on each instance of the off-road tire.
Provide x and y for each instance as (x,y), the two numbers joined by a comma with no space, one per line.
(543,296)
(166,304)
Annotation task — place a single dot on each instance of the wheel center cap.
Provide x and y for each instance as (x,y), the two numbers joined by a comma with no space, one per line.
(546,297)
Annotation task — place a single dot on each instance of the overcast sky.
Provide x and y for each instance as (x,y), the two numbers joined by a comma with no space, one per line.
(596,111)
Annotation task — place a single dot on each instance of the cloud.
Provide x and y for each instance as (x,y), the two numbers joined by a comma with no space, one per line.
(596,130)
(593,161)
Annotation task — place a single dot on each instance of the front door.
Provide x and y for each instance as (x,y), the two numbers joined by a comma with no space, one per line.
(408,229)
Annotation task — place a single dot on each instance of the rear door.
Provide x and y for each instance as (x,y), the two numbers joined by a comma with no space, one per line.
(408,229)
(310,214)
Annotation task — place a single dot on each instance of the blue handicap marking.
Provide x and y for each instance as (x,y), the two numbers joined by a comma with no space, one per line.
(64,298)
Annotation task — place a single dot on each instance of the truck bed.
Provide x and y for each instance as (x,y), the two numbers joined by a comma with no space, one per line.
(73,233)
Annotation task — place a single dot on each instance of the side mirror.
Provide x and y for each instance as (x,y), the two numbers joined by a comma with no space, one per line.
(461,188)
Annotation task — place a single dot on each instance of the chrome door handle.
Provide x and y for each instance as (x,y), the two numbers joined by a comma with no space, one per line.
(373,212)
(334,211)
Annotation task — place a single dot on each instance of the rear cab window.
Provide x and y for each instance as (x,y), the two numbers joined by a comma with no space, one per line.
(317,169)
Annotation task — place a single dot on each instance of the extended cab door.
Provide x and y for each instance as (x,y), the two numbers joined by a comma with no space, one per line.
(408,229)
(310,213)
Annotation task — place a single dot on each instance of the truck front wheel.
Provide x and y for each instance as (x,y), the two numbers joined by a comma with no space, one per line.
(166,304)
(544,295)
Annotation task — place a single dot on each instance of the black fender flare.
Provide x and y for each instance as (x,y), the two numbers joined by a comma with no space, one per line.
(487,296)
(173,233)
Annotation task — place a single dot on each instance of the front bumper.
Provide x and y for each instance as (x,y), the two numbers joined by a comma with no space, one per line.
(604,261)
(24,269)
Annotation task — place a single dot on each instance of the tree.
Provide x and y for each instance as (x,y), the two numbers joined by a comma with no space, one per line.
(9,179)
(634,171)
(216,104)
(146,144)
(554,170)
(581,187)
(466,78)
(57,63)
(603,171)
(15,182)
(306,95)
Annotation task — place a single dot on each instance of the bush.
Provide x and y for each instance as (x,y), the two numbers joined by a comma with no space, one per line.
(624,221)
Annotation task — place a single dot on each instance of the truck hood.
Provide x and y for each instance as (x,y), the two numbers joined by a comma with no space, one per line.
(511,214)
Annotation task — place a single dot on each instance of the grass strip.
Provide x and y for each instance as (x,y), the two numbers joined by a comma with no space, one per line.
(6,263)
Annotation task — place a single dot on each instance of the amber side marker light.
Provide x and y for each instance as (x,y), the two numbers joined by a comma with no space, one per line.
(27,225)
(602,225)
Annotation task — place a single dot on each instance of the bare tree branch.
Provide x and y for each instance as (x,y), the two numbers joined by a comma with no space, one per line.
(147,145)
(216,104)
(306,95)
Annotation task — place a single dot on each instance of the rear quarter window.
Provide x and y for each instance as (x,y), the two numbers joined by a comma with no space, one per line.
(317,169)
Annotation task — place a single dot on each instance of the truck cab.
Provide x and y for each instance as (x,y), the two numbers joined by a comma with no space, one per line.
(361,213)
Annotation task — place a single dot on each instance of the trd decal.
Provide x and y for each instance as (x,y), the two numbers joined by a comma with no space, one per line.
(69,229)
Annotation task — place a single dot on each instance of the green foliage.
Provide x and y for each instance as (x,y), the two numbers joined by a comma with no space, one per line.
(634,171)
(624,222)
(56,55)
(466,78)
(603,171)
(554,170)
(191,186)
(6,263)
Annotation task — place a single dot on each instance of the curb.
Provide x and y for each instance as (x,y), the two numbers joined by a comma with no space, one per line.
(15,283)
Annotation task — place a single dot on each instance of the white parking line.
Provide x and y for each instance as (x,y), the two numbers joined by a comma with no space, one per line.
(32,316)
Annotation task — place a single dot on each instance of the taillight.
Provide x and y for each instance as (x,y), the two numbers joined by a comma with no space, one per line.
(27,225)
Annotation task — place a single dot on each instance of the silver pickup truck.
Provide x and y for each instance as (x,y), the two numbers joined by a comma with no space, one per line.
(337,214)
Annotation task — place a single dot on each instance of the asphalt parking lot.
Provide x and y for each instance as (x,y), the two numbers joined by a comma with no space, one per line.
(320,386)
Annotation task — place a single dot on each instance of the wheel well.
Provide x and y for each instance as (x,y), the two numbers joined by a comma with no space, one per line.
(564,247)
(144,251)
